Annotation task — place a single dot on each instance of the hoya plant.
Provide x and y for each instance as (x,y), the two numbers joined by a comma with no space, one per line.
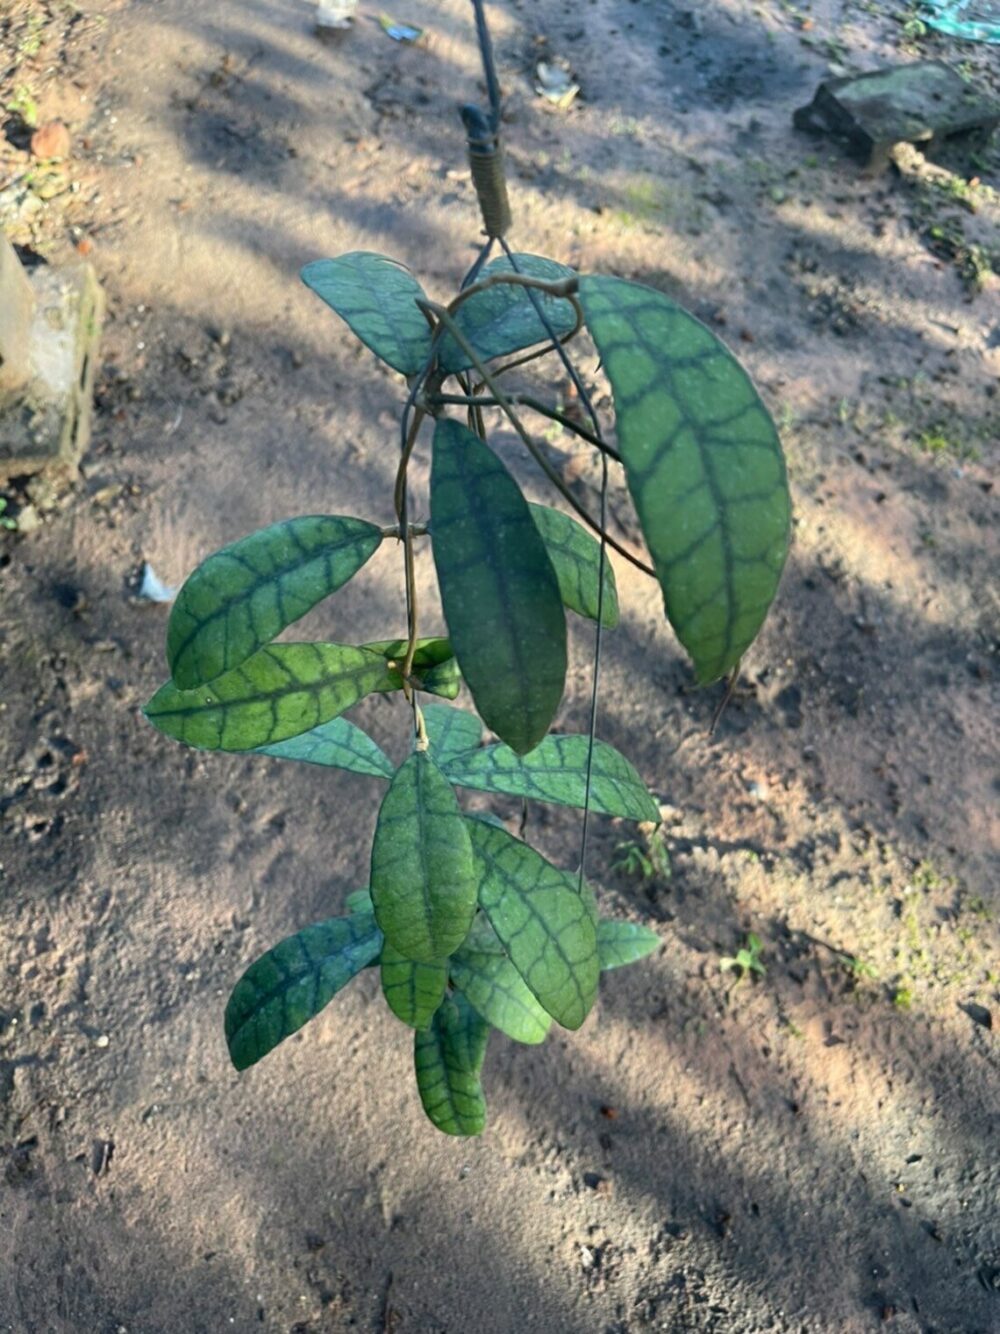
(470,927)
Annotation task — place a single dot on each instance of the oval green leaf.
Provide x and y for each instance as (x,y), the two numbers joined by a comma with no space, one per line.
(377,297)
(243,596)
(291,983)
(494,988)
(423,878)
(621,943)
(359,900)
(435,670)
(576,559)
(337,744)
(498,589)
(546,927)
(503,319)
(556,771)
(703,463)
(448,1058)
(413,991)
(280,692)
(451,732)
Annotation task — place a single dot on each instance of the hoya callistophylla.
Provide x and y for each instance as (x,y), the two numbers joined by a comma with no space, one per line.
(472,930)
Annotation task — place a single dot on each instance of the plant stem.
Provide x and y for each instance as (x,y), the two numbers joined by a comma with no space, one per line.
(536,405)
(445,320)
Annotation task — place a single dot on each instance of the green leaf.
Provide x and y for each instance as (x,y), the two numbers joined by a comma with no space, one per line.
(546,927)
(427,653)
(423,878)
(359,900)
(448,1058)
(494,988)
(292,982)
(451,732)
(240,598)
(434,665)
(503,319)
(282,691)
(621,943)
(337,744)
(556,770)
(377,297)
(576,559)
(413,990)
(704,466)
(498,589)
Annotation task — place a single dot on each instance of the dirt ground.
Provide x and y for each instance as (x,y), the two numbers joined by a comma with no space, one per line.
(817,1150)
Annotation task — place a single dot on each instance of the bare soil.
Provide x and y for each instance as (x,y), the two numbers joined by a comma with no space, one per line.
(816,1150)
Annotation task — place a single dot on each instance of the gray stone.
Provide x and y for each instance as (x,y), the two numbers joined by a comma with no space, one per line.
(46,422)
(17,308)
(907,104)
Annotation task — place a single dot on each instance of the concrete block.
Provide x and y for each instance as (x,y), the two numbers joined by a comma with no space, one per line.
(47,422)
(17,308)
(908,104)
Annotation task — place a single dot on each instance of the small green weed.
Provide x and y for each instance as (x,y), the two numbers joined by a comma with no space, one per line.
(24,105)
(647,858)
(746,960)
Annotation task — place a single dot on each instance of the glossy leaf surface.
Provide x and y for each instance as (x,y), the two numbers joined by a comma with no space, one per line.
(377,298)
(337,744)
(448,1058)
(547,929)
(451,732)
(492,985)
(282,691)
(556,770)
(291,983)
(413,991)
(704,467)
(621,943)
(423,877)
(243,596)
(576,559)
(503,319)
(498,589)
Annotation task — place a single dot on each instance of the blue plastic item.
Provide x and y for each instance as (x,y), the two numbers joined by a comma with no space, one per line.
(975,20)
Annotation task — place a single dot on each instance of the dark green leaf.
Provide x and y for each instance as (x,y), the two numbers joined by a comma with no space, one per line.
(451,732)
(292,982)
(556,770)
(448,1058)
(413,990)
(576,559)
(427,653)
(377,297)
(337,744)
(282,691)
(423,879)
(546,927)
(503,319)
(434,665)
(494,988)
(359,900)
(704,466)
(498,589)
(621,943)
(240,598)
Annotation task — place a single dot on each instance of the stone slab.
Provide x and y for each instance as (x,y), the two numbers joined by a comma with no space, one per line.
(906,104)
(47,422)
(17,308)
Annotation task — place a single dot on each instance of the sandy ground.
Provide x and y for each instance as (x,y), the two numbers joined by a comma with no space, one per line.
(816,1151)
